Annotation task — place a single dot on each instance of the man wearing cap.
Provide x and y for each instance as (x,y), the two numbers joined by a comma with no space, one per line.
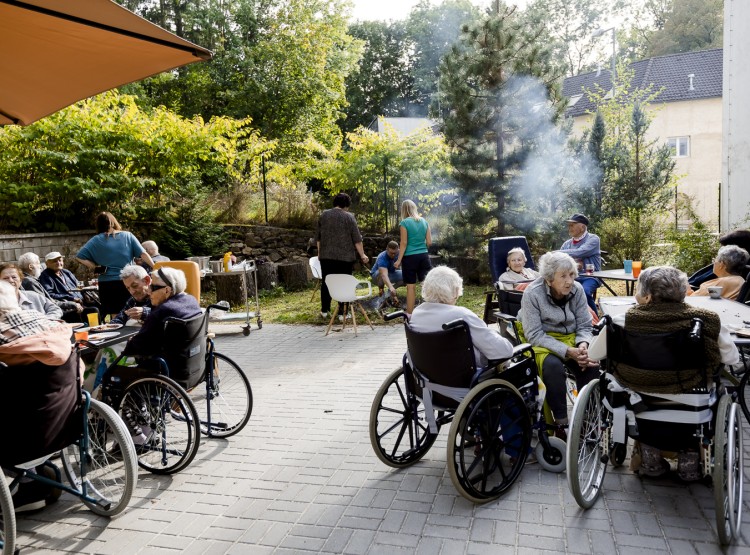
(584,247)
(60,283)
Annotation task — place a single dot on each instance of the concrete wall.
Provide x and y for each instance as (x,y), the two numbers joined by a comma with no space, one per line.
(735,188)
(68,243)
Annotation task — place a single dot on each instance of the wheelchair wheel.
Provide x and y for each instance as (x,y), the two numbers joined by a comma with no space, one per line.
(225,396)
(162,410)
(106,470)
(553,459)
(399,433)
(618,452)
(7,520)
(586,468)
(744,395)
(727,470)
(489,441)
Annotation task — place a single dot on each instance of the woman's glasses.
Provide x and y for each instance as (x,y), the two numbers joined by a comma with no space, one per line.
(155,287)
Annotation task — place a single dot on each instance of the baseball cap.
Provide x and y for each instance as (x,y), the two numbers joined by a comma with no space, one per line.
(53,255)
(578,219)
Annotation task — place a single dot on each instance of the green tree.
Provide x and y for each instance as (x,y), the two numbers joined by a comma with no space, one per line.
(380,170)
(106,152)
(432,31)
(282,63)
(383,84)
(569,27)
(487,108)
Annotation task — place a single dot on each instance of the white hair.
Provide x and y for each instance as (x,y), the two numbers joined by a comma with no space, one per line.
(26,260)
(553,262)
(442,285)
(133,270)
(175,279)
(150,247)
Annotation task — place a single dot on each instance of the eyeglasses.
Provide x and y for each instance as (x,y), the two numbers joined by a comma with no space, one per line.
(155,287)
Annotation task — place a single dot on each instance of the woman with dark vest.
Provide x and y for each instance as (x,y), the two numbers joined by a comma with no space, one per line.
(661,308)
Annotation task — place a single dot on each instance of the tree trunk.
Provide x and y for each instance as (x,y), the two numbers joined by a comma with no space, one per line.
(268,275)
(293,276)
(229,288)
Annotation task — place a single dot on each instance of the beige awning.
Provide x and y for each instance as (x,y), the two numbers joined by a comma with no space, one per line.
(56,52)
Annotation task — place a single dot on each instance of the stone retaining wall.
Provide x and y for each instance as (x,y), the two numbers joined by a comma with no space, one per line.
(68,243)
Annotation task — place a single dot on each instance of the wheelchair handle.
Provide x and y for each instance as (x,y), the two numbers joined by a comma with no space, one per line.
(696,331)
(221,305)
(394,315)
(604,321)
(454,324)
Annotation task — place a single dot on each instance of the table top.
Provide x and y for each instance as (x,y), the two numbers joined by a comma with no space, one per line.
(123,334)
(613,274)
(733,315)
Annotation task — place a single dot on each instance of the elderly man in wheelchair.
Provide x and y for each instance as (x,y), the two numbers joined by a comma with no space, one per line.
(661,387)
(457,371)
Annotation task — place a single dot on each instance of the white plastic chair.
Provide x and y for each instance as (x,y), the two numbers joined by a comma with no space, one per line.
(317,274)
(343,289)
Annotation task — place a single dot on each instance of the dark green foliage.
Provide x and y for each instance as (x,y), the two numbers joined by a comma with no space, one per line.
(495,117)
(190,230)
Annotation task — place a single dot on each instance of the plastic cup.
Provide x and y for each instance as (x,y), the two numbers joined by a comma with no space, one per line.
(628,265)
(589,269)
(93,319)
(715,292)
(636,268)
(81,335)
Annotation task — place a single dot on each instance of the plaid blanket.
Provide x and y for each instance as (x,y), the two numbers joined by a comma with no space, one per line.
(15,324)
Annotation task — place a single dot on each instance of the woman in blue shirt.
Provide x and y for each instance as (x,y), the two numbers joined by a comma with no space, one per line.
(114,249)
(413,258)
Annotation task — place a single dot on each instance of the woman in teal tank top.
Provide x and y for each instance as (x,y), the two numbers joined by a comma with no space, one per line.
(413,258)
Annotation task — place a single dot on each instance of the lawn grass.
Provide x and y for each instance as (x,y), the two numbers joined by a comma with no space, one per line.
(296,307)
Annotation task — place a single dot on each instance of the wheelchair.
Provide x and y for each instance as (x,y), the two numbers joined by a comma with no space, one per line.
(97,453)
(704,419)
(492,416)
(173,399)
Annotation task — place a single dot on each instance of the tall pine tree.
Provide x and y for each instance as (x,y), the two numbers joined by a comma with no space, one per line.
(489,114)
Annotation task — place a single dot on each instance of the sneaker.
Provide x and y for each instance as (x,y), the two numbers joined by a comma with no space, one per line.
(325,315)
(348,318)
(33,495)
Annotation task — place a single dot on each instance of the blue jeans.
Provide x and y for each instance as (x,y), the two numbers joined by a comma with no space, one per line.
(396,277)
(590,285)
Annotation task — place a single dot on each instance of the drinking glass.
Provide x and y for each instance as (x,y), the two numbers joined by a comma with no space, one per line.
(636,268)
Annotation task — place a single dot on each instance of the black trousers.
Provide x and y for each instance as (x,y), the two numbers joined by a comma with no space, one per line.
(332,267)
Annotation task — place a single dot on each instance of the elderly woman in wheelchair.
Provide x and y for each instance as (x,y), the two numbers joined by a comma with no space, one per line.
(556,320)
(46,411)
(459,372)
(661,387)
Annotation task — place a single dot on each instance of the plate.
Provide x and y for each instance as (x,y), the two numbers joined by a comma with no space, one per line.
(105,327)
(743,332)
(76,325)
(95,337)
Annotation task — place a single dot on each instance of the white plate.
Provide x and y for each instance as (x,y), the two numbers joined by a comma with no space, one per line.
(105,327)
(95,337)
(76,325)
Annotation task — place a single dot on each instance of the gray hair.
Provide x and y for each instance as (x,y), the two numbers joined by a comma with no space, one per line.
(664,283)
(515,250)
(734,258)
(442,285)
(175,279)
(150,247)
(26,260)
(133,270)
(8,297)
(553,262)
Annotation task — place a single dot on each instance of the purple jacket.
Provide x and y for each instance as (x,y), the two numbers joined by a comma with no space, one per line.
(149,341)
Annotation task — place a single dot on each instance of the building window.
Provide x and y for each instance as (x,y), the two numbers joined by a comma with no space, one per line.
(679,146)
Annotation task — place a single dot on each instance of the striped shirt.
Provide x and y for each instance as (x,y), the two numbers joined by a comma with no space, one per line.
(15,324)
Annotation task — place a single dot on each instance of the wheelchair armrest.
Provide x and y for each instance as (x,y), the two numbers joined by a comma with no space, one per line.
(604,321)
(394,315)
(453,324)
(503,316)
(696,330)
(517,350)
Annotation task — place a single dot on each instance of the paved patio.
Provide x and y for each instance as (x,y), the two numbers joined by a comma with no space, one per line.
(302,478)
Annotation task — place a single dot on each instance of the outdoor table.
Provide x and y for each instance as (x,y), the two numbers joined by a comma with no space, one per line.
(733,315)
(617,275)
(123,334)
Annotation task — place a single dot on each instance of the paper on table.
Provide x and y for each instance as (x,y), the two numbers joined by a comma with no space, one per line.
(618,302)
